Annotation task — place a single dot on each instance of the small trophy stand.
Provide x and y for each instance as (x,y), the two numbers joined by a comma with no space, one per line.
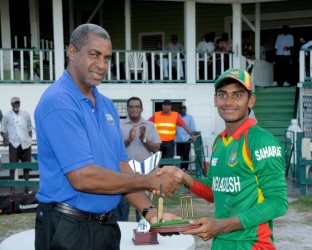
(144,238)
(142,234)
(176,226)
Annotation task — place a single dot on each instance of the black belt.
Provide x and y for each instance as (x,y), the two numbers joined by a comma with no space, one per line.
(67,209)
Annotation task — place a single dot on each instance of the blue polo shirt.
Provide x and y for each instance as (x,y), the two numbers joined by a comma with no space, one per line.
(71,134)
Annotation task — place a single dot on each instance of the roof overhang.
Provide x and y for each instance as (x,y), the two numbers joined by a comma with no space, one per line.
(221,1)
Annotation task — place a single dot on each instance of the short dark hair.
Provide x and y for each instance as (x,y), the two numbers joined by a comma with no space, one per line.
(134,98)
(79,36)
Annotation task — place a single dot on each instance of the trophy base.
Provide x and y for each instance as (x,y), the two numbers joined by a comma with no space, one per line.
(147,238)
(172,227)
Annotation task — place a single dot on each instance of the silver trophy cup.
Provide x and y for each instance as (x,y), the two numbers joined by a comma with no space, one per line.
(145,167)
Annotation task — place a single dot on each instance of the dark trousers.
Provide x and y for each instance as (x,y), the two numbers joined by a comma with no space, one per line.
(183,150)
(16,155)
(122,210)
(167,149)
(55,231)
(282,70)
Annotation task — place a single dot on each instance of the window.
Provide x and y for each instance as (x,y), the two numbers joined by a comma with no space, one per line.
(121,106)
(147,41)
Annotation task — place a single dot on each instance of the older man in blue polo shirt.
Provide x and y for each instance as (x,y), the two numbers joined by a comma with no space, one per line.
(82,158)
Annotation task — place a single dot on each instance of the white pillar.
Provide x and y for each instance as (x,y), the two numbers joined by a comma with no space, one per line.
(190,40)
(237,34)
(34,23)
(257,32)
(58,34)
(5,31)
(128,24)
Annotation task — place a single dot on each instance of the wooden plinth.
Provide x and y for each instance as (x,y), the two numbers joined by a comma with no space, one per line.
(147,238)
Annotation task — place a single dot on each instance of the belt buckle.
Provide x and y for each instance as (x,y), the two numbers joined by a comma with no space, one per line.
(103,218)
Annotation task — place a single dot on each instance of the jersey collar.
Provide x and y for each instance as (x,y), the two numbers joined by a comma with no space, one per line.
(241,129)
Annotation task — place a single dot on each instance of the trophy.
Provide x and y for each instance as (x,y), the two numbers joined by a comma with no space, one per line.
(142,234)
(175,226)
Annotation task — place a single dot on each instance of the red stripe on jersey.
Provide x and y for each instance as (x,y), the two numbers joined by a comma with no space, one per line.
(264,238)
(202,190)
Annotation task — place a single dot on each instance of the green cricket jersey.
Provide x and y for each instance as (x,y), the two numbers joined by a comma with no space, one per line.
(247,178)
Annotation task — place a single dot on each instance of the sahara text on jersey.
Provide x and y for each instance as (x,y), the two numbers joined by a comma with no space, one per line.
(270,151)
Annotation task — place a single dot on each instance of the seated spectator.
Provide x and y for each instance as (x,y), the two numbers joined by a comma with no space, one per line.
(307,45)
(175,46)
(250,58)
(157,61)
(245,49)
(206,46)
(227,41)
(220,48)
(250,53)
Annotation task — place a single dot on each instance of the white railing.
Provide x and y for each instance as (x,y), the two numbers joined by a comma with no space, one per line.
(210,65)
(26,65)
(305,69)
(37,66)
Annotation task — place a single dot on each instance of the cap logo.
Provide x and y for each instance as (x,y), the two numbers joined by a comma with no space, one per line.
(235,72)
(240,75)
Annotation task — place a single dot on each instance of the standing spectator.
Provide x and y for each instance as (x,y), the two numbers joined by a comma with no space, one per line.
(283,45)
(82,157)
(246,178)
(141,140)
(174,46)
(183,139)
(166,122)
(17,134)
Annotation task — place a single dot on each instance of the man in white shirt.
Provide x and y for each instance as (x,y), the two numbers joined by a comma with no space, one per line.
(206,46)
(283,46)
(175,46)
(17,134)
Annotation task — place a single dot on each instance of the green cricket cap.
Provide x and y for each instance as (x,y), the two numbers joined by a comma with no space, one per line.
(239,75)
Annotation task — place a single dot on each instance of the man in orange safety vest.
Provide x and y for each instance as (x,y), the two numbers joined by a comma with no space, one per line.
(166,122)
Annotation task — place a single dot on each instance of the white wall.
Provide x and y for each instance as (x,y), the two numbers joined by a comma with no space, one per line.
(199,101)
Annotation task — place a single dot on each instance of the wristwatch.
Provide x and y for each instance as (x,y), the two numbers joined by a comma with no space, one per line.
(144,140)
(147,209)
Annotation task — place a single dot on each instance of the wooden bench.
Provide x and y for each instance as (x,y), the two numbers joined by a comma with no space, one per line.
(170,161)
(20,165)
(33,166)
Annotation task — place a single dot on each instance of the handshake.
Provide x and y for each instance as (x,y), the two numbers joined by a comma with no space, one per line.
(169,177)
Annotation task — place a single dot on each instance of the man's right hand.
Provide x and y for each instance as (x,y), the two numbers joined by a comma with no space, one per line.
(6,143)
(170,179)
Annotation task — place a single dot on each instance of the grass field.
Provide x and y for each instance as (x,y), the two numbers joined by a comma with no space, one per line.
(301,208)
